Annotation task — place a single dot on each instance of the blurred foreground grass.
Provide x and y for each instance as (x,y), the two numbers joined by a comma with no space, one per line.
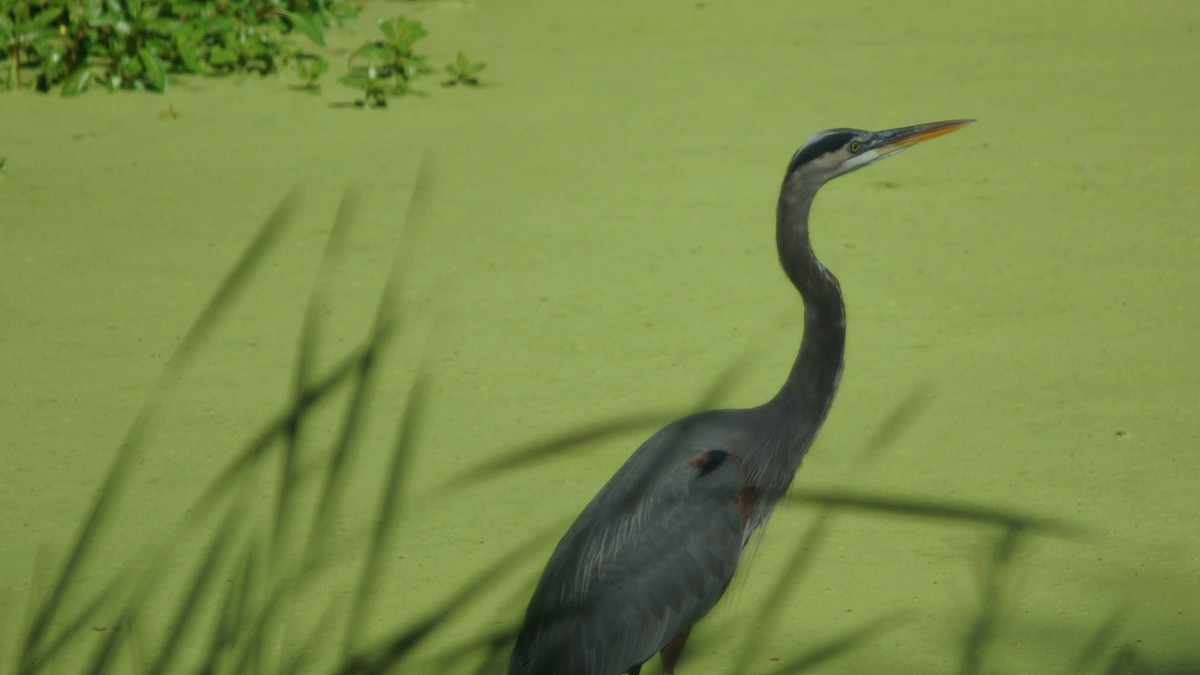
(214,596)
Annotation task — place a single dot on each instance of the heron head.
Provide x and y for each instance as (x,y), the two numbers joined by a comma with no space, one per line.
(829,154)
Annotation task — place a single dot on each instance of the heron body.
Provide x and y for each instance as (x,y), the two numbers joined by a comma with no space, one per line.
(657,546)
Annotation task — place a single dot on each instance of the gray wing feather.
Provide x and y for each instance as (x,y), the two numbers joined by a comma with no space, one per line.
(648,557)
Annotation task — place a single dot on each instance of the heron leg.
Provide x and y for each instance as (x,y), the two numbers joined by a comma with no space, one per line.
(670,653)
(634,670)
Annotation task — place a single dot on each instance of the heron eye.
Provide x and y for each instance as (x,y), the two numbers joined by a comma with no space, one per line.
(854,146)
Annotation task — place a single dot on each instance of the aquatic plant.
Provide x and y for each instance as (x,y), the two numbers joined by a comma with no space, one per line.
(463,71)
(72,44)
(385,67)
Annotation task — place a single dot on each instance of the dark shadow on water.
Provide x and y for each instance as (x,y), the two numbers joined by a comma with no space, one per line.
(898,422)
(983,629)
(1101,642)
(831,649)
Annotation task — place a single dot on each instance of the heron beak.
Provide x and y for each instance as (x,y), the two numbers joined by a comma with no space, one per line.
(895,140)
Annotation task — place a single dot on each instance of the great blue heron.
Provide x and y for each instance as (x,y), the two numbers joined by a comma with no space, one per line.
(655,549)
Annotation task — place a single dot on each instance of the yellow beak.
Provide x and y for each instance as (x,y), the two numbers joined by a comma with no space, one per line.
(894,140)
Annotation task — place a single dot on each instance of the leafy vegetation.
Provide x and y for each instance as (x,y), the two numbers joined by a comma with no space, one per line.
(463,71)
(72,45)
(380,68)
(388,66)
(135,44)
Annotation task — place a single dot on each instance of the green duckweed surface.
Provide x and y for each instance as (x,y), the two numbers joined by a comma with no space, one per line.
(596,242)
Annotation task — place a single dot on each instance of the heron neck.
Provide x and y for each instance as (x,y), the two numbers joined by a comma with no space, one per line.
(808,392)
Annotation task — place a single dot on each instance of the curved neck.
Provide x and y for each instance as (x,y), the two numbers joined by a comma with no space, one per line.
(810,386)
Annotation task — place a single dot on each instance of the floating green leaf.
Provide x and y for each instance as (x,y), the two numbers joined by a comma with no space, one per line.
(463,71)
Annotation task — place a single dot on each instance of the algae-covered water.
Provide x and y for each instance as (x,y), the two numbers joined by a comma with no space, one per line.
(594,242)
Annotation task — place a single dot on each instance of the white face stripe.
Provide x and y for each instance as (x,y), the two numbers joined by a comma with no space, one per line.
(860,160)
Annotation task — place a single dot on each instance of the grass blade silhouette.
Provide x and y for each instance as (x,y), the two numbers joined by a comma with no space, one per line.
(597,431)
(284,541)
(383,325)
(909,507)
(254,451)
(322,631)
(227,482)
(492,646)
(385,515)
(836,647)
(231,615)
(306,355)
(1100,642)
(110,488)
(200,585)
(393,651)
(902,417)
(102,661)
(67,630)
(983,629)
(802,555)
